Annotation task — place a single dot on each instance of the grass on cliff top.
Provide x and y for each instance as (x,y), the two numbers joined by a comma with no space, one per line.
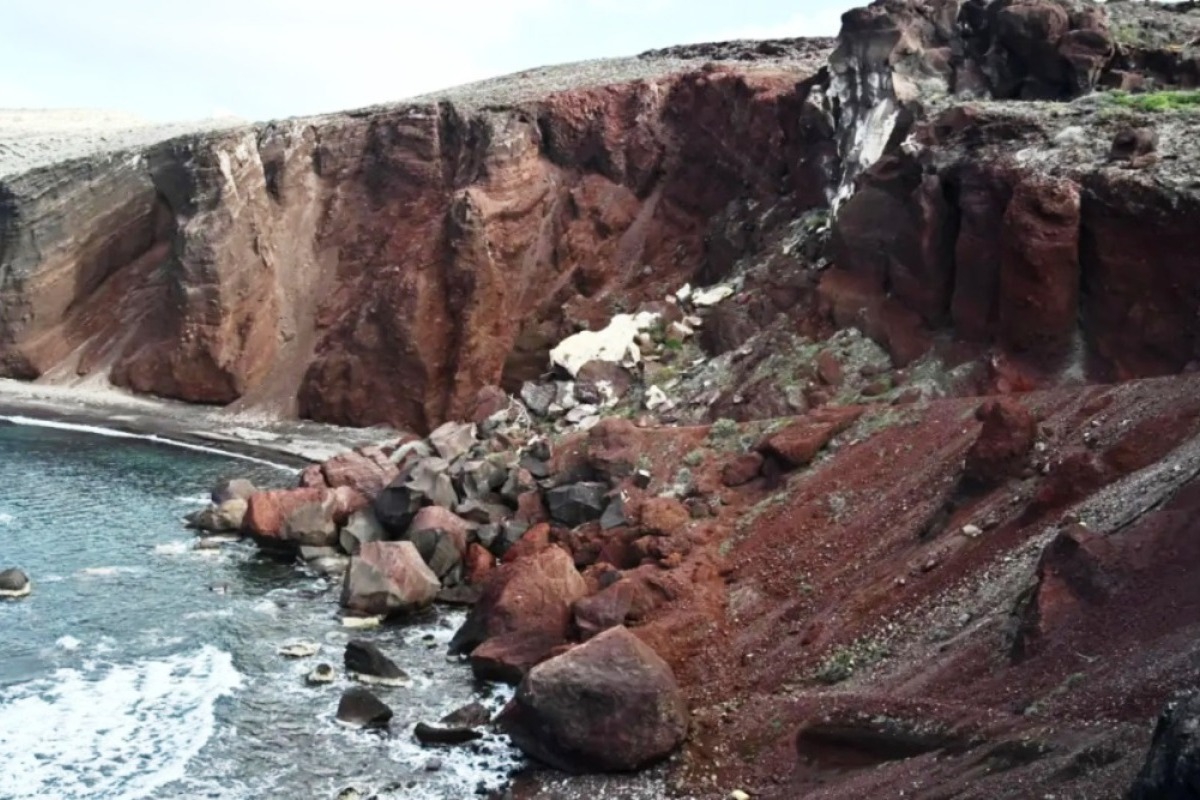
(1157,102)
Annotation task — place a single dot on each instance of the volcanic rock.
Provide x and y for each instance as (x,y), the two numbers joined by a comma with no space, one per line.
(440,536)
(235,489)
(310,525)
(798,444)
(367,662)
(361,709)
(1004,443)
(1172,769)
(222,518)
(577,503)
(362,527)
(433,734)
(610,704)
(14,583)
(388,578)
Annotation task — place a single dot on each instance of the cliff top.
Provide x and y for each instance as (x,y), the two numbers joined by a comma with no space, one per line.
(32,138)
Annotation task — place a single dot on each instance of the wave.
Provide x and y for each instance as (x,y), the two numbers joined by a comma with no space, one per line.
(123,732)
(18,419)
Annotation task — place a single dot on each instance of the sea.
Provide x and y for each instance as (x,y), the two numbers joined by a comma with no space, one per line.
(143,667)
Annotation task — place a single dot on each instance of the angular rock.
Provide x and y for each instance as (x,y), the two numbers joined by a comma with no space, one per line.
(663,516)
(368,663)
(602,383)
(798,444)
(395,506)
(611,704)
(509,657)
(453,439)
(14,583)
(223,518)
(388,578)
(440,537)
(1172,768)
(311,525)
(537,397)
(366,471)
(577,503)
(534,594)
(742,469)
(362,527)
(362,709)
(1004,444)
(478,564)
(267,511)
(614,513)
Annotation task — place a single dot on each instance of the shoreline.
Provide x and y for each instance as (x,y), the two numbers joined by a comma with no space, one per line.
(107,411)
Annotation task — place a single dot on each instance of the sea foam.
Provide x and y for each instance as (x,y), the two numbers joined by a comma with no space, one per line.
(116,731)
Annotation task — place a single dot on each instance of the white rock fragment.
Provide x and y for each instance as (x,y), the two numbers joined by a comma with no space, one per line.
(615,344)
(972,531)
(361,623)
(656,398)
(706,298)
(684,293)
(300,650)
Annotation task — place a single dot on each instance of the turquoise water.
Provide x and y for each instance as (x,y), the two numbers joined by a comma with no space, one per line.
(142,667)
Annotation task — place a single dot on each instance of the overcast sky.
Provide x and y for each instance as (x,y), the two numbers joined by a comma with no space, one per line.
(261,59)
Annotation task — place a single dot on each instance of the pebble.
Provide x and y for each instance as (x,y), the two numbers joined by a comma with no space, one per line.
(972,531)
(300,650)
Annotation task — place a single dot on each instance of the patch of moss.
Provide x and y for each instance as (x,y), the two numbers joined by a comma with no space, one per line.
(695,458)
(1158,102)
(843,662)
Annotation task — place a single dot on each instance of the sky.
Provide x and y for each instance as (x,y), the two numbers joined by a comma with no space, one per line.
(265,59)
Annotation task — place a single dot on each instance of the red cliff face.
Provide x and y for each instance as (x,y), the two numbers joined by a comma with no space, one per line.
(382,266)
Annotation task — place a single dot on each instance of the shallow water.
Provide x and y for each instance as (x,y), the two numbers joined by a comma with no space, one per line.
(141,667)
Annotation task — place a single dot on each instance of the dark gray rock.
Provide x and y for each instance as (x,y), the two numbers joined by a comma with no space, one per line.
(577,503)
(395,506)
(435,734)
(14,583)
(614,514)
(537,397)
(366,660)
(472,715)
(363,709)
(1172,769)
(362,527)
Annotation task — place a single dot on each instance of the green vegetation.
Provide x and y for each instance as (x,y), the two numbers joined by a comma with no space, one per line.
(1158,102)
(722,432)
(694,458)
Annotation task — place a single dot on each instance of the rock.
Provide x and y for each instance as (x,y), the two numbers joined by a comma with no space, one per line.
(14,583)
(509,657)
(267,511)
(395,506)
(366,471)
(602,383)
(366,662)
(610,704)
(472,715)
(615,344)
(614,513)
(361,709)
(577,503)
(1172,768)
(349,793)
(478,564)
(321,674)
(453,439)
(532,595)
(223,518)
(663,516)
(742,469)
(299,650)
(490,401)
(432,734)
(362,527)
(440,536)
(1134,145)
(798,443)
(537,397)
(311,525)
(428,478)
(236,489)
(388,578)
(1004,444)
(529,542)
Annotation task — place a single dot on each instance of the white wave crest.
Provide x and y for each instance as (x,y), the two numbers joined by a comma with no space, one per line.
(124,732)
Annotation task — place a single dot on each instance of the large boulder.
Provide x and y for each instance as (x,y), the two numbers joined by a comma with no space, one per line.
(14,583)
(577,503)
(366,470)
(532,597)
(1172,768)
(311,525)
(267,511)
(611,704)
(361,709)
(388,578)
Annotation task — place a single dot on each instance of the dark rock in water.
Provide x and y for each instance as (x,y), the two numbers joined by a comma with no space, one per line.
(461,595)
(472,715)
(578,503)
(611,704)
(236,489)
(14,583)
(321,674)
(1172,769)
(368,661)
(431,734)
(362,709)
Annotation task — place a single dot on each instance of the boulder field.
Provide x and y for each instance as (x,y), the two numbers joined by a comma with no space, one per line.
(807,418)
